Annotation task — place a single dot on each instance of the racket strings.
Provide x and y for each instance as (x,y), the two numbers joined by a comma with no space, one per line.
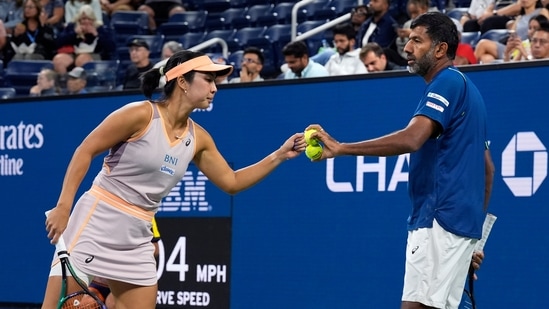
(81,301)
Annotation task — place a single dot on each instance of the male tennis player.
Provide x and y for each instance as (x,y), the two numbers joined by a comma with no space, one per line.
(451,171)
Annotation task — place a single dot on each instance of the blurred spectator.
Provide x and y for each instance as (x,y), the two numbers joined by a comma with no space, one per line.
(500,18)
(31,40)
(82,41)
(46,84)
(76,81)
(53,14)
(359,14)
(465,54)
(379,28)
(111,6)
(296,56)
(374,59)
(345,61)
(251,66)
(160,10)
(517,50)
(540,42)
(169,48)
(415,8)
(11,13)
(487,51)
(220,79)
(139,55)
(72,9)
(3,39)
(478,11)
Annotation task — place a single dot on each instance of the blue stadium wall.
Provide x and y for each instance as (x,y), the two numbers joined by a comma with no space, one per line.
(311,235)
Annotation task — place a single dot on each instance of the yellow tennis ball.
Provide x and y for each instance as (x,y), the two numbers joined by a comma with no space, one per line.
(308,139)
(313,152)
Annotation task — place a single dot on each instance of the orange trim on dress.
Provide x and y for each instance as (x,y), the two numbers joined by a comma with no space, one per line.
(121,204)
(146,129)
(167,135)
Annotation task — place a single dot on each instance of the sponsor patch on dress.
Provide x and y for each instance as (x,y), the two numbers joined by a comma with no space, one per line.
(435,106)
(167,170)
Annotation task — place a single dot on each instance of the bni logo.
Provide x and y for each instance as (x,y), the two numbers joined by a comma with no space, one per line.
(188,195)
(524,142)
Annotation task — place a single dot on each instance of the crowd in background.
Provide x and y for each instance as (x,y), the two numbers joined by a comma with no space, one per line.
(72,33)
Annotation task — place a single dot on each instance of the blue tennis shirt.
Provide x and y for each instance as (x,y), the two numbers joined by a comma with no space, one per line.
(446,180)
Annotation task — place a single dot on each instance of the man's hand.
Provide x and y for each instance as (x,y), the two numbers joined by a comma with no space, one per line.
(245,75)
(478,257)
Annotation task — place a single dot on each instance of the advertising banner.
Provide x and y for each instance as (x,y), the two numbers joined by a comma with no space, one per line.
(330,234)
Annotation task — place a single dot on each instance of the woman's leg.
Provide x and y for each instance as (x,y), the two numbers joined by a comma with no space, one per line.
(61,62)
(130,296)
(486,51)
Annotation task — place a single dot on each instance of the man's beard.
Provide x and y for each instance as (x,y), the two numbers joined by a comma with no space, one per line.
(345,50)
(422,65)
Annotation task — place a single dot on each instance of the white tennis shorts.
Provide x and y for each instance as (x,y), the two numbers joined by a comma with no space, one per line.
(437,263)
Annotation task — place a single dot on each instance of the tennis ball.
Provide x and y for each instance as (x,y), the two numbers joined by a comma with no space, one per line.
(313,152)
(308,139)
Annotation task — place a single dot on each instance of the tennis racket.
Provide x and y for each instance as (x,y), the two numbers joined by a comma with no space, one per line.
(468,300)
(83,299)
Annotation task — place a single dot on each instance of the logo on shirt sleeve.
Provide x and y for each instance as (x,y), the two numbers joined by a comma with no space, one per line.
(435,106)
(439,98)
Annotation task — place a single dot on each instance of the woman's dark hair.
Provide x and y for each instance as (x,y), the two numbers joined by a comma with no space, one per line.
(539,18)
(441,29)
(150,79)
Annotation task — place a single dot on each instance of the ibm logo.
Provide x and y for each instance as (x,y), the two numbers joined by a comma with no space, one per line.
(188,195)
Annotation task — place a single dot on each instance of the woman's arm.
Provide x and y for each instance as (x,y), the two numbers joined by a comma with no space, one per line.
(119,126)
(215,167)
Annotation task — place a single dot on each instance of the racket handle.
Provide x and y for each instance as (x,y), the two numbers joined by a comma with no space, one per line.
(486,228)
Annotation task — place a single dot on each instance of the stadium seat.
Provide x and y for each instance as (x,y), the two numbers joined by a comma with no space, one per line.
(191,39)
(235,59)
(7,93)
(261,15)
(172,31)
(195,20)
(283,13)
(227,35)
(314,42)
(234,18)
(101,73)
(342,7)
(257,2)
(319,10)
(470,38)
(214,6)
(456,13)
(129,22)
(22,74)
(494,35)
(271,43)
(239,3)
(244,35)
(278,36)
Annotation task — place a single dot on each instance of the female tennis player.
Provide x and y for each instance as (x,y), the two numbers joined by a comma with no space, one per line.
(151,144)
